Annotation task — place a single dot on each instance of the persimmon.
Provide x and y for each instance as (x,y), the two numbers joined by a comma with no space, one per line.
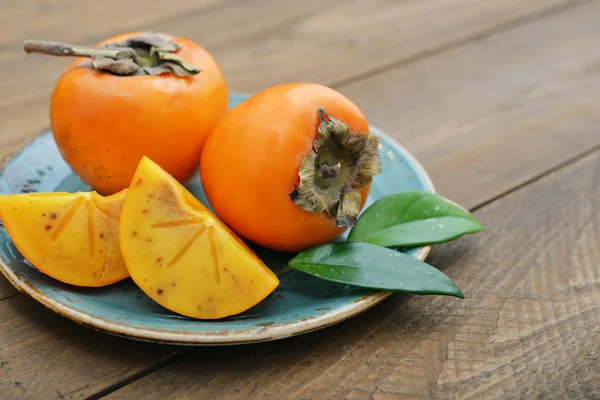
(290,167)
(72,237)
(182,256)
(139,94)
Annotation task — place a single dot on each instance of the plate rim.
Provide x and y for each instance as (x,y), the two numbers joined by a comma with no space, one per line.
(268,333)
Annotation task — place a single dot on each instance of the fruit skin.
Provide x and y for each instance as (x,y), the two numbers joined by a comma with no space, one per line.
(103,123)
(182,256)
(249,165)
(72,237)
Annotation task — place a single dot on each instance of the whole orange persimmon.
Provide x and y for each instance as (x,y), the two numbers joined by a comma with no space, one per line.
(290,167)
(134,95)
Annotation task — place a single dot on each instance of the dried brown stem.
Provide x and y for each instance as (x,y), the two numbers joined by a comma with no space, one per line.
(145,54)
(67,50)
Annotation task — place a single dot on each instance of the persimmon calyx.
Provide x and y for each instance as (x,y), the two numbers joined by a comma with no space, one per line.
(144,54)
(333,173)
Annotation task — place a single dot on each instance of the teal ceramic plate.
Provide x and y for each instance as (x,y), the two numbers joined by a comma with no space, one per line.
(300,304)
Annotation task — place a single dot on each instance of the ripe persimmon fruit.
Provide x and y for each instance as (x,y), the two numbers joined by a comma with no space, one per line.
(290,167)
(72,237)
(139,94)
(182,256)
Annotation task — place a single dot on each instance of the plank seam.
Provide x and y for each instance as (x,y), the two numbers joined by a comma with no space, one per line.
(134,377)
(538,177)
(9,296)
(442,48)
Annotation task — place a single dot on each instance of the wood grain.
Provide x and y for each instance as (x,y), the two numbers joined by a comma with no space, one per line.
(479,103)
(76,19)
(6,289)
(44,356)
(528,326)
(490,115)
(257,48)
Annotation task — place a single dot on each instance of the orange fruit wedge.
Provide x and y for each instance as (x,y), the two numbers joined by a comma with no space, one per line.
(182,256)
(72,237)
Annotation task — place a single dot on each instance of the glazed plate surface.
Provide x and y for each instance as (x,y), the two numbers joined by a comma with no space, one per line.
(300,304)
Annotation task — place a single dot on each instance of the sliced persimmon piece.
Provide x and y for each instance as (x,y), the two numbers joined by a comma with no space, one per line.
(72,237)
(182,256)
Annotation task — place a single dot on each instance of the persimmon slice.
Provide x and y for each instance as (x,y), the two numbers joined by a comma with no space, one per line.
(182,256)
(72,237)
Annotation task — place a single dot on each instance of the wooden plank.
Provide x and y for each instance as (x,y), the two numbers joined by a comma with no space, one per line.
(44,356)
(292,41)
(528,326)
(76,19)
(6,289)
(490,115)
(377,317)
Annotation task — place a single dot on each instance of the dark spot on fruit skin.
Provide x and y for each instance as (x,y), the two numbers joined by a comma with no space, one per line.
(145,279)
(101,236)
(174,284)
(69,258)
(48,227)
(53,216)
(159,291)
(210,299)
(233,277)
(94,274)
(145,211)
(43,215)
(225,269)
(148,239)
(166,195)
(134,234)
(139,182)
(158,259)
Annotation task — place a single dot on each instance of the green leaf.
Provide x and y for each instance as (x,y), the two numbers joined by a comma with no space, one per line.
(369,266)
(410,219)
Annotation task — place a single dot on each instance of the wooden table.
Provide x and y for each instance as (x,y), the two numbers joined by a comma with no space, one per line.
(499,99)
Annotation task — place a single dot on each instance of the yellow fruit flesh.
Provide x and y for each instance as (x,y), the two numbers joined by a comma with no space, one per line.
(182,256)
(72,237)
